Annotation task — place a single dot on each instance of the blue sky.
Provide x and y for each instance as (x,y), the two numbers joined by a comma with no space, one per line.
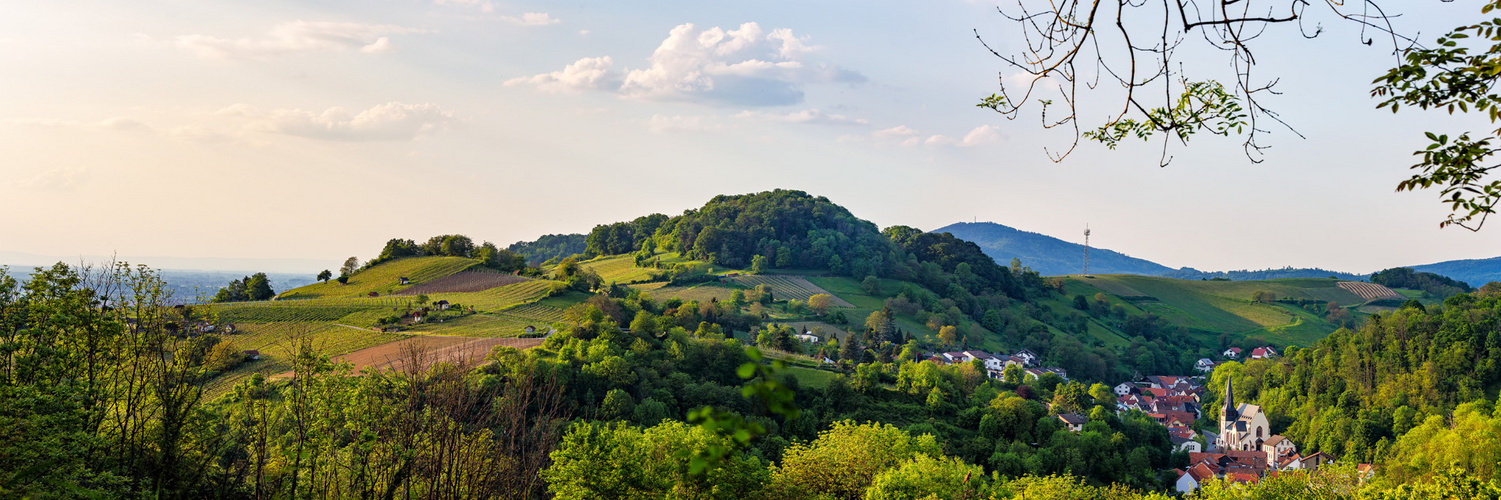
(317,130)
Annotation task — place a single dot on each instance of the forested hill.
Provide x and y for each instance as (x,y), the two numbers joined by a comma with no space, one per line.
(1047,255)
(1476,272)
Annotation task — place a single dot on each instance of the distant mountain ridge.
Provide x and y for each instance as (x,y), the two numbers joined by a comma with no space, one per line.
(1047,255)
(1476,272)
(1051,256)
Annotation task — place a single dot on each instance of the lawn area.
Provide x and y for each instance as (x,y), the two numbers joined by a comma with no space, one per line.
(813,378)
(618,268)
(383,278)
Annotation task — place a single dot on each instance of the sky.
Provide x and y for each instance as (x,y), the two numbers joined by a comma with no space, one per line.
(288,136)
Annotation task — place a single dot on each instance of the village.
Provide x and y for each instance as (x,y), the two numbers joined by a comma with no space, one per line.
(1240,449)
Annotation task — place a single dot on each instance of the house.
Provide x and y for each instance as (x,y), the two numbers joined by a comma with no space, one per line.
(1188,445)
(1027,356)
(252,354)
(1125,388)
(1061,373)
(1277,447)
(1263,353)
(1193,477)
(1290,462)
(442,305)
(807,337)
(530,330)
(1075,422)
(404,280)
(373,294)
(1312,462)
(1232,353)
(1205,365)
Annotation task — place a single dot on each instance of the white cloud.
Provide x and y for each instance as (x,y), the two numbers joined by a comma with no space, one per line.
(661,124)
(983,134)
(908,136)
(811,116)
(532,19)
(294,37)
(389,121)
(590,73)
(902,134)
(744,66)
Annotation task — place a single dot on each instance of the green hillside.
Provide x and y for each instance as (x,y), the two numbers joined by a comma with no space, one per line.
(384,279)
(1296,315)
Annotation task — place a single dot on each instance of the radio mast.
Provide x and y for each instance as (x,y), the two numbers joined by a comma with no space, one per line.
(1086,251)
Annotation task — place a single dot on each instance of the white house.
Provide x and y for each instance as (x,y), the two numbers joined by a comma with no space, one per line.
(1074,422)
(1027,356)
(1232,353)
(1188,445)
(1193,477)
(1204,365)
(1123,389)
(807,337)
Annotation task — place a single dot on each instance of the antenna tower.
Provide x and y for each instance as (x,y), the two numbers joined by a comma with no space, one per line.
(1086,250)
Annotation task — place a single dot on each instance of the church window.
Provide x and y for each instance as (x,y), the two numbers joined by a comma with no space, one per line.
(1258,432)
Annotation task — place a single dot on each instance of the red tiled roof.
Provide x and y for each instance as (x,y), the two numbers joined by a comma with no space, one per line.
(1242,477)
(1201,472)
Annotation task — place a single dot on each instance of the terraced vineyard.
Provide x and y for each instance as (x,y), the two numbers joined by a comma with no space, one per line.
(534,312)
(502,297)
(789,287)
(464,281)
(384,278)
(1370,291)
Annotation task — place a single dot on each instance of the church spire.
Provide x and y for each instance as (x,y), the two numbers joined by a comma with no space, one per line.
(1229,412)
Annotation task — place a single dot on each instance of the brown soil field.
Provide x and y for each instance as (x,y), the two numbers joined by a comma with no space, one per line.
(466,281)
(1369,291)
(428,349)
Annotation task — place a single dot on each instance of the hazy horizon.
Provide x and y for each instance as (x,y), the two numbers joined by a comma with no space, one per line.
(311,132)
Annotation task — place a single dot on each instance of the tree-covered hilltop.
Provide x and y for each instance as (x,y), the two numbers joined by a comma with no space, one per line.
(549,247)
(1406,277)
(450,245)
(1363,393)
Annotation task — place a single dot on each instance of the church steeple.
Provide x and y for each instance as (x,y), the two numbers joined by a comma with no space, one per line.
(1229,413)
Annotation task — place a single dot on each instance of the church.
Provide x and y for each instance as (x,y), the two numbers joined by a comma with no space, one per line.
(1242,427)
